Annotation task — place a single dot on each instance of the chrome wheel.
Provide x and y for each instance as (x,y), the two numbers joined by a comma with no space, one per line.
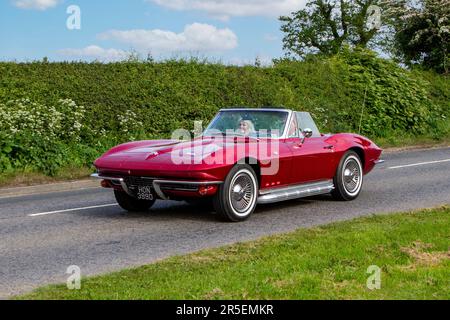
(242,193)
(237,197)
(352,175)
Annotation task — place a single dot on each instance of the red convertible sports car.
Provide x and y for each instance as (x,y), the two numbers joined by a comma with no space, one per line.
(244,157)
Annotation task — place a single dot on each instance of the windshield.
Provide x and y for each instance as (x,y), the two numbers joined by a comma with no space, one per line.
(249,123)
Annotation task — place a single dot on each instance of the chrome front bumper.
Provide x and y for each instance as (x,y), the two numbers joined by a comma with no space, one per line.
(156,184)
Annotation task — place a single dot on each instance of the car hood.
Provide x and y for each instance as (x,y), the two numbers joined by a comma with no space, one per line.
(152,150)
(163,153)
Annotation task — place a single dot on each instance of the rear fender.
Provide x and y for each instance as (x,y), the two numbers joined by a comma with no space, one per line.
(367,150)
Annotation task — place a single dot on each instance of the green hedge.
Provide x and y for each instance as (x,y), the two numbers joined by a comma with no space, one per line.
(135,100)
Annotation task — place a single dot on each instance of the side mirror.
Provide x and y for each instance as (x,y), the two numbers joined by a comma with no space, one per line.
(307,133)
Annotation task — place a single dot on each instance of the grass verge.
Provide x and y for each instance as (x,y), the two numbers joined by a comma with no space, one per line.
(408,141)
(25,178)
(328,262)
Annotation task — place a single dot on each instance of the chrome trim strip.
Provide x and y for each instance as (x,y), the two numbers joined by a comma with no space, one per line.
(295,192)
(379,161)
(158,191)
(288,123)
(193,183)
(255,109)
(120,180)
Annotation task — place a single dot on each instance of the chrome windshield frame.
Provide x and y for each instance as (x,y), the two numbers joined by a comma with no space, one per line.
(286,125)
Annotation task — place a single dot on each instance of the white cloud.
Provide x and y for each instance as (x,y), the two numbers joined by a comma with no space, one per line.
(195,37)
(223,9)
(35,4)
(95,52)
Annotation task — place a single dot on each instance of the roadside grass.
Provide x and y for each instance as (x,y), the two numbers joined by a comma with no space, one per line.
(21,178)
(327,262)
(408,141)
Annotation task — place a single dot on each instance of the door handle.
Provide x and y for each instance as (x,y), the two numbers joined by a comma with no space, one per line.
(330,147)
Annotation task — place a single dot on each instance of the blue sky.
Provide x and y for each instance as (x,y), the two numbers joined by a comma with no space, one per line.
(233,31)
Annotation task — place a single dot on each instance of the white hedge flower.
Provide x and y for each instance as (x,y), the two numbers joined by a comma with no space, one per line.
(61,121)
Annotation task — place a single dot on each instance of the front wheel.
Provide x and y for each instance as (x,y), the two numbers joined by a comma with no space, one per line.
(236,198)
(349,178)
(132,204)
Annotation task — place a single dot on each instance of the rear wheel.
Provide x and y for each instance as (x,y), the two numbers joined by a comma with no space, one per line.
(132,204)
(349,177)
(237,196)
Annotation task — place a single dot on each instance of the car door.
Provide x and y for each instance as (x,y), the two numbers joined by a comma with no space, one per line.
(312,158)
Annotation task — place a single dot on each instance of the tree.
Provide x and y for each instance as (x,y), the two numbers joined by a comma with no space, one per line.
(324,26)
(422,31)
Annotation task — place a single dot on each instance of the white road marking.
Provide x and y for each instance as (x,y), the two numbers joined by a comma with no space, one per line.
(70,210)
(419,164)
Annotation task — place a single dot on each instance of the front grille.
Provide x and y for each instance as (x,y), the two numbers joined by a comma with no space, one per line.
(133,183)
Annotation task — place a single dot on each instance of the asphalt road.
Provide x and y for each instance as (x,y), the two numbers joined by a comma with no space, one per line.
(37,246)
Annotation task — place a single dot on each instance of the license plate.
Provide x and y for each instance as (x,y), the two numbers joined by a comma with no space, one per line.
(145,193)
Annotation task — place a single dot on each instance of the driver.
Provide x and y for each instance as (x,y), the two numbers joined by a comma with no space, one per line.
(246,127)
